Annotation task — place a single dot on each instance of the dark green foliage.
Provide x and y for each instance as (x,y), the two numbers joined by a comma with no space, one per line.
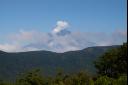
(80,78)
(122,80)
(113,63)
(2,82)
(112,70)
(104,80)
(5,83)
(11,64)
(32,78)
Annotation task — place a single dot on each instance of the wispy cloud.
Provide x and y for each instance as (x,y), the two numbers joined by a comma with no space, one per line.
(35,40)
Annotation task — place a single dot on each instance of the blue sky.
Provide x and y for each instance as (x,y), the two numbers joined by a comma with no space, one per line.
(82,15)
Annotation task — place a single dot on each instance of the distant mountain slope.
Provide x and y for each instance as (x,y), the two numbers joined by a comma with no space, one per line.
(12,64)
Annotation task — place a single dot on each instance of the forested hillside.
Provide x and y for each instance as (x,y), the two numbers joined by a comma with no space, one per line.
(11,64)
(111,70)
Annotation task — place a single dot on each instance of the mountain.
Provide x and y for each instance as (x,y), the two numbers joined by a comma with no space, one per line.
(11,64)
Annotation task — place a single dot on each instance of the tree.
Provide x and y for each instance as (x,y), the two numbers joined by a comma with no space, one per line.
(31,78)
(5,83)
(113,63)
(103,80)
(122,80)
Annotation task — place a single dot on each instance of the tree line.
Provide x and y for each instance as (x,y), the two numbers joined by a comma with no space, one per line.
(111,70)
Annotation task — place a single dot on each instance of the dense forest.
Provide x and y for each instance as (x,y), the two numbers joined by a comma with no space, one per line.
(111,69)
(50,62)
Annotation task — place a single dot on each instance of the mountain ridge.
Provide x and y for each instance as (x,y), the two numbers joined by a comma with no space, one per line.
(1,51)
(73,61)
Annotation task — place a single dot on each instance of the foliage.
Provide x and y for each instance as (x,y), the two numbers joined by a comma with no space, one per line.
(31,78)
(113,63)
(81,78)
(5,83)
(12,64)
(103,80)
(122,80)
(112,70)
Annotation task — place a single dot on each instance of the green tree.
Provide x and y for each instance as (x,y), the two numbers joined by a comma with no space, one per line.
(113,63)
(122,80)
(5,83)
(31,78)
(2,82)
(103,80)
(81,78)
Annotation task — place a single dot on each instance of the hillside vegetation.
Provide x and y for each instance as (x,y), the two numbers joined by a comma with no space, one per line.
(111,70)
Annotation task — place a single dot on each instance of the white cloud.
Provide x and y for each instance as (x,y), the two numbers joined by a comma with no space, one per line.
(61,25)
(10,47)
(34,40)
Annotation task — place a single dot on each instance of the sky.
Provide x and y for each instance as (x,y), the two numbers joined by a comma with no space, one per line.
(61,25)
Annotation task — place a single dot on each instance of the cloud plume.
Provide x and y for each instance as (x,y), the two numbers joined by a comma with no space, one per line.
(61,25)
(65,41)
